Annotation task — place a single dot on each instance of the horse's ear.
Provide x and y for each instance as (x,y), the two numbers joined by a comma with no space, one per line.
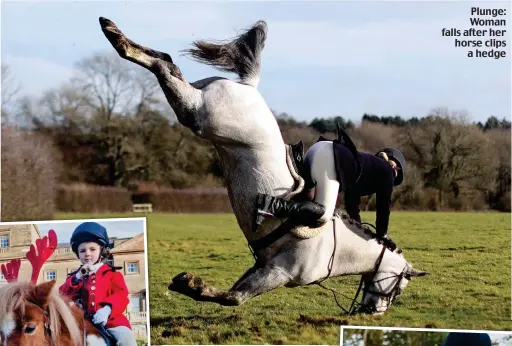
(42,293)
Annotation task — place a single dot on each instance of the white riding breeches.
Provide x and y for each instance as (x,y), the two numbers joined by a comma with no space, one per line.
(319,160)
(123,335)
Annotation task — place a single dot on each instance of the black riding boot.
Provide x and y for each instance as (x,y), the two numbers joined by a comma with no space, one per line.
(302,212)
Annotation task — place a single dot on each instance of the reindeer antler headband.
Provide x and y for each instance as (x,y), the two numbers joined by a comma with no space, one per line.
(45,248)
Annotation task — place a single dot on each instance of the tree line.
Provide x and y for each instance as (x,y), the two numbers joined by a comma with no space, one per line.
(110,125)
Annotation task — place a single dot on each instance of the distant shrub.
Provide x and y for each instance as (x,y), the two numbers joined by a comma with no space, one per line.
(83,198)
(194,200)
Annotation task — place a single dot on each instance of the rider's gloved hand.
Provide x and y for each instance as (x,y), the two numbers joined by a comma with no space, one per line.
(101,316)
(387,242)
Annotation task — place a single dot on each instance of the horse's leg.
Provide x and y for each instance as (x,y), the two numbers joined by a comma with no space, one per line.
(255,281)
(183,97)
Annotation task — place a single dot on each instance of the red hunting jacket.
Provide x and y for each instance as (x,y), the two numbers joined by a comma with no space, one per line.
(106,286)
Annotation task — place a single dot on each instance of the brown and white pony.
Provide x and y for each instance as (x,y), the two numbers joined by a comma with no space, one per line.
(36,315)
(33,315)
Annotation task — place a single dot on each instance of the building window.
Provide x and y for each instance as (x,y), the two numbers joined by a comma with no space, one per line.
(134,304)
(110,260)
(4,240)
(51,275)
(132,267)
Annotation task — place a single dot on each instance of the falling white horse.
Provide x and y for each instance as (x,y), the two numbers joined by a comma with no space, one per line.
(234,117)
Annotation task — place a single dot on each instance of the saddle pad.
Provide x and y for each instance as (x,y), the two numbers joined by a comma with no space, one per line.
(306,232)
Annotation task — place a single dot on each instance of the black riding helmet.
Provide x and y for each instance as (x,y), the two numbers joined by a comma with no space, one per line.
(398,157)
(89,232)
(463,339)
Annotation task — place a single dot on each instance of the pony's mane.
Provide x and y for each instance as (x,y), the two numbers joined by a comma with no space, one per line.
(14,295)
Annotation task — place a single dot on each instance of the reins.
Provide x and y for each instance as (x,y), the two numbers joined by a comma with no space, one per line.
(355,306)
(352,309)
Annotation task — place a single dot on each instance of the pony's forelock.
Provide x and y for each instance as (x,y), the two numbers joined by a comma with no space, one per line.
(11,300)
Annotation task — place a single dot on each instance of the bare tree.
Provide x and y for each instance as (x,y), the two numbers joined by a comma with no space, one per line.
(452,154)
(115,86)
(97,119)
(10,90)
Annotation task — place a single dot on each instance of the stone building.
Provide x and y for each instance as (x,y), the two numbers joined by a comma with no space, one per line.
(128,253)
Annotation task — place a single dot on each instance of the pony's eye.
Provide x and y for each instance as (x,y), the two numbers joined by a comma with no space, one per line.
(30,329)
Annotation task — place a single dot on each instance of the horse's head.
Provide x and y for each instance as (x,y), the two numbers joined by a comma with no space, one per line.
(390,280)
(35,315)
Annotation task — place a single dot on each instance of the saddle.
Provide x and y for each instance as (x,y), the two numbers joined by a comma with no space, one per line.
(346,175)
(107,336)
(296,152)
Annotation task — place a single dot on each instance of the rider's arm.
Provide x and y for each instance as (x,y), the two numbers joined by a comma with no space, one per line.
(352,202)
(118,300)
(69,289)
(383,197)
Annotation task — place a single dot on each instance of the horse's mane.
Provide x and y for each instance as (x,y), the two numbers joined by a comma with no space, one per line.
(354,225)
(13,296)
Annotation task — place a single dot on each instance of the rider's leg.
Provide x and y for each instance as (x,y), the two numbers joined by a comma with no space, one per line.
(123,335)
(303,212)
(319,161)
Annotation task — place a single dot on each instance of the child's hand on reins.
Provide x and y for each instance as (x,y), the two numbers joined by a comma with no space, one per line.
(101,316)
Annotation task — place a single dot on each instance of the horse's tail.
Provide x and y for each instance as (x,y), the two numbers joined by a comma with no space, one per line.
(240,55)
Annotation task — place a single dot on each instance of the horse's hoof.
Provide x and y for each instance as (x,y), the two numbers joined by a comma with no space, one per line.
(188,284)
(182,276)
(105,22)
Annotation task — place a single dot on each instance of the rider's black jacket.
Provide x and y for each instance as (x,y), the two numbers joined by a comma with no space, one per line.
(362,174)
(377,177)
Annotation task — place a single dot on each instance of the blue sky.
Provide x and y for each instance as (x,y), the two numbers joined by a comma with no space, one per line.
(321,59)
(115,228)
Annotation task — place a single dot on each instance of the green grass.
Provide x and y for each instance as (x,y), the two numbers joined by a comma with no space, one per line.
(467,254)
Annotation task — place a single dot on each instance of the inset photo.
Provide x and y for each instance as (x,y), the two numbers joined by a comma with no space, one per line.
(76,282)
(364,336)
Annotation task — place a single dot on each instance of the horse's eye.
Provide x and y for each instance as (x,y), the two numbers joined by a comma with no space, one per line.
(30,329)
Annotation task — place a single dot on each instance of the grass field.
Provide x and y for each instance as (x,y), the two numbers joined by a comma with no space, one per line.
(467,254)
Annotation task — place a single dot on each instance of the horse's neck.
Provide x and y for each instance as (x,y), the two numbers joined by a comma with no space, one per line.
(360,252)
(249,171)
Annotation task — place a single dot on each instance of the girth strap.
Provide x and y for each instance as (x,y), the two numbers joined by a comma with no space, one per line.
(273,236)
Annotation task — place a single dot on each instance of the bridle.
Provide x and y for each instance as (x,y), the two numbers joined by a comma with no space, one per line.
(47,327)
(357,307)
(389,296)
